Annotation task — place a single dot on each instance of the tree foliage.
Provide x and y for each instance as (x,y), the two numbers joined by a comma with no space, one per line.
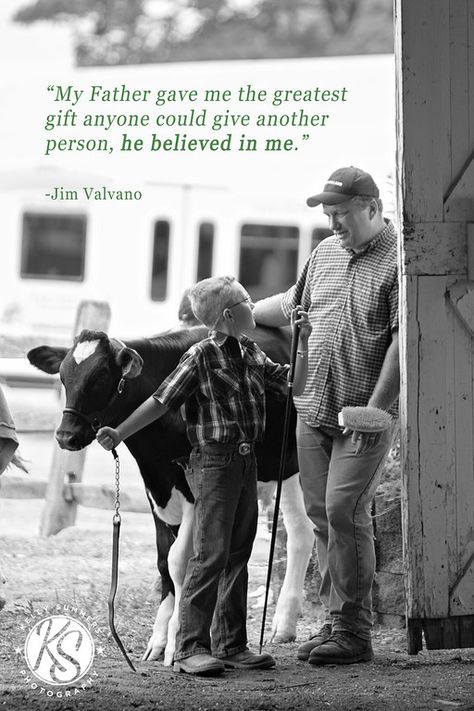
(124,32)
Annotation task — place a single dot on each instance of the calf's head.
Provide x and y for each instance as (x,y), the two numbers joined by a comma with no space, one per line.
(92,372)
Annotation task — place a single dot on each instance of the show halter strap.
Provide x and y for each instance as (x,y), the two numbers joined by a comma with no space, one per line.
(95,419)
(115,559)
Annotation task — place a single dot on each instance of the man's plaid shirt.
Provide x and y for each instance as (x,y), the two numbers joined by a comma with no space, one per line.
(222,386)
(352,301)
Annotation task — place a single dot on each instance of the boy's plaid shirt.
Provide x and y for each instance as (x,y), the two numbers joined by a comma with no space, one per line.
(352,301)
(222,386)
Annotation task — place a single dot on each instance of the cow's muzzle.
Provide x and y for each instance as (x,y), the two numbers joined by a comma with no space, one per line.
(73,437)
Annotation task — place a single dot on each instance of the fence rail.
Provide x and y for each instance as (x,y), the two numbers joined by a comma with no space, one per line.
(100,496)
(18,373)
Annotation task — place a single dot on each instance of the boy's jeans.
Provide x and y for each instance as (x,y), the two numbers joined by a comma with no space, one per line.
(338,487)
(214,598)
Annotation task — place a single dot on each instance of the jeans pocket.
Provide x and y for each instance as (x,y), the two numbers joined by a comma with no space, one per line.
(213,460)
(190,467)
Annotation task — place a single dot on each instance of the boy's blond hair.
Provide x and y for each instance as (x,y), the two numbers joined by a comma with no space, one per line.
(210,297)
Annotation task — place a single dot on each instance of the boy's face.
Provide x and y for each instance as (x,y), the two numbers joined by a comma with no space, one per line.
(239,312)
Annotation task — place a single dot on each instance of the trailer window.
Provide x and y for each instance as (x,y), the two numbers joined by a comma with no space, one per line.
(268,258)
(205,250)
(159,269)
(318,234)
(53,246)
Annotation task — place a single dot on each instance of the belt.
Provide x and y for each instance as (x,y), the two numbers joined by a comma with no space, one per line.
(241,447)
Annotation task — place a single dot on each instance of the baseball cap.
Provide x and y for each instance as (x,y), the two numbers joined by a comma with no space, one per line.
(343,184)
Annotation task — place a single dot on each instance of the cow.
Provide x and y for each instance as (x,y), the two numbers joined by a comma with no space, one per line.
(106,379)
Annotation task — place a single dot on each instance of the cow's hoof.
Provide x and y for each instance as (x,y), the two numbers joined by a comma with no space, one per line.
(169,655)
(3,602)
(153,655)
(284,637)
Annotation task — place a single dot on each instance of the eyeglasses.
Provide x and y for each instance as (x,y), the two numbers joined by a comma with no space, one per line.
(246,300)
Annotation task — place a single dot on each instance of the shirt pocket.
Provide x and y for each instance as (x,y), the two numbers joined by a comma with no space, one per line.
(223,383)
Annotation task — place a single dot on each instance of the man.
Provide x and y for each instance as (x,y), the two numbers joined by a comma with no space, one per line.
(349,287)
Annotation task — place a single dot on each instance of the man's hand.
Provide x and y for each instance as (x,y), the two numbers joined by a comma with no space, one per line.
(363,441)
(108,438)
(300,318)
(365,424)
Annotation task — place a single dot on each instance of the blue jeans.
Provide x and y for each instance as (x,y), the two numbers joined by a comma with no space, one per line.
(213,608)
(338,488)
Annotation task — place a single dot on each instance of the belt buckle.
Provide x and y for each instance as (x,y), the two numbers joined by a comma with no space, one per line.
(244,448)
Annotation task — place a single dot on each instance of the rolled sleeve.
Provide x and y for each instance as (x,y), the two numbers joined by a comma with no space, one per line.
(393,306)
(299,294)
(180,384)
(276,377)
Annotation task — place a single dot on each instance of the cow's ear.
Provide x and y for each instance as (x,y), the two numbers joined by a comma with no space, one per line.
(130,361)
(46,358)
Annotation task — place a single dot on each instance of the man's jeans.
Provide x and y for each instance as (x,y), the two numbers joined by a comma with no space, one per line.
(338,487)
(214,599)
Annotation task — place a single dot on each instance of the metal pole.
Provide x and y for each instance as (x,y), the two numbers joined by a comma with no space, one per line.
(291,375)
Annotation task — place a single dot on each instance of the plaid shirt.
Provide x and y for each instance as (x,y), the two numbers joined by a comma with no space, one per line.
(222,385)
(352,300)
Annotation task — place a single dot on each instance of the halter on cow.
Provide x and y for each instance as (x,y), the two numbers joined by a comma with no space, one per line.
(105,380)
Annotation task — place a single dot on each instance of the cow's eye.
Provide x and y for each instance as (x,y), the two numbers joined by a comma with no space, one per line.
(99,379)
(101,374)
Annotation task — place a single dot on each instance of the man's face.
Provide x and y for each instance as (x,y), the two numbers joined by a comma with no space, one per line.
(350,223)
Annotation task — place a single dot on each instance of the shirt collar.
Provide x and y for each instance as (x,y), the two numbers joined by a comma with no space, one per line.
(217,336)
(220,338)
(388,230)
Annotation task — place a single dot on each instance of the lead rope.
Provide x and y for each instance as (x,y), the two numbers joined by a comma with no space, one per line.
(115,559)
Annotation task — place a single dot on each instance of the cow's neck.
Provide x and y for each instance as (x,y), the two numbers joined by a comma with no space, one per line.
(161,353)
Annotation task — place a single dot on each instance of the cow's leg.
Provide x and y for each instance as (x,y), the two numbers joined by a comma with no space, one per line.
(300,541)
(157,642)
(178,557)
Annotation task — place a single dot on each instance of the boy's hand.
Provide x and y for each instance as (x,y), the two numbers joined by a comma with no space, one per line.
(300,318)
(108,438)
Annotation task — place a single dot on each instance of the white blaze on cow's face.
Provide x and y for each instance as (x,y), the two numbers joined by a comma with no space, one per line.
(84,350)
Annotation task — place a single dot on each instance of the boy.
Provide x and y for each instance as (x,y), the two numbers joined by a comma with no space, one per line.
(221,381)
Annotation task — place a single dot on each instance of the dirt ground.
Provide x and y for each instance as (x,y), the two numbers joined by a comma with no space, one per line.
(72,568)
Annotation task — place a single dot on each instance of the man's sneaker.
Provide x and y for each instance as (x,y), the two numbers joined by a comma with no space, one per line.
(314,641)
(342,648)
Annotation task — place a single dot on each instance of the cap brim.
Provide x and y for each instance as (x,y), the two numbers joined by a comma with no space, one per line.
(327,199)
